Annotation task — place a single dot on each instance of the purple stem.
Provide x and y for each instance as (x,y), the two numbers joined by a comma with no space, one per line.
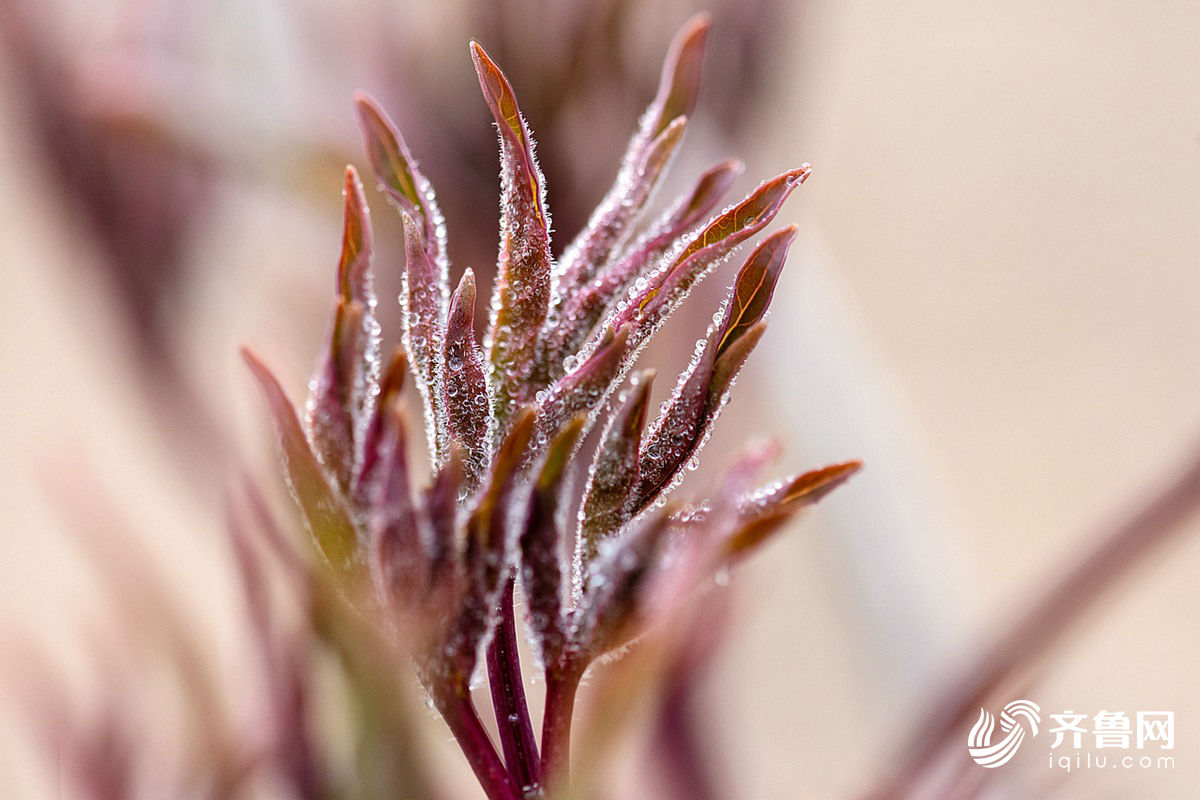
(561,687)
(458,711)
(684,761)
(508,697)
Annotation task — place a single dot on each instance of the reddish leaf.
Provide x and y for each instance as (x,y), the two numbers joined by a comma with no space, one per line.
(339,403)
(354,268)
(679,86)
(754,287)
(541,545)
(423,299)
(466,399)
(389,389)
(486,553)
(648,308)
(610,607)
(441,510)
(581,311)
(610,222)
(587,386)
(522,291)
(646,157)
(682,429)
(399,177)
(614,471)
(330,409)
(763,512)
(398,558)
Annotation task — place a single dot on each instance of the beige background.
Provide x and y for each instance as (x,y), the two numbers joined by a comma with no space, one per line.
(994,303)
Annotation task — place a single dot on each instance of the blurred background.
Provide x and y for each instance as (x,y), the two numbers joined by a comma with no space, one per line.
(994,303)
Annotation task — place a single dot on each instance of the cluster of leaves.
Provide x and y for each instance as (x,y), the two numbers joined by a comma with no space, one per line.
(505,421)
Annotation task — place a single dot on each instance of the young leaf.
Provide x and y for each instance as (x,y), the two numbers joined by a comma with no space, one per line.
(466,400)
(587,386)
(648,308)
(340,402)
(754,287)
(398,557)
(616,579)
(614,471)
(581,311)
(488,524)
(426,289)
(389,389)
(610,222)
(521,295)
(329,409)
(645,158)
(679,84)
(485,557)
(327,518)
(400,179)
(423,300)
(763,512)
(541,545)
(441,511)
(681,430)
(354,267)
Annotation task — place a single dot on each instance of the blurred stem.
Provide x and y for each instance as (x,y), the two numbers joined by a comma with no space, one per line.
(508,697)
(684,762)
(561,687)
(1028,640)
(456,708)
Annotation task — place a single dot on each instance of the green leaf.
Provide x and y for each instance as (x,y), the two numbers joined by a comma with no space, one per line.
(326,515)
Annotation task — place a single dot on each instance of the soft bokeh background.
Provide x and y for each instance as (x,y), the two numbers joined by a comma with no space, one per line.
(995,303)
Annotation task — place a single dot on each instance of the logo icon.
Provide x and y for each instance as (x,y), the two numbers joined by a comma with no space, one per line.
(979,742)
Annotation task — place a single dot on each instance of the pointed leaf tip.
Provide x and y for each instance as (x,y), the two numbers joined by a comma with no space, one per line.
(755,286)
(423,300)
(355,259)
(724,232)
(465,385)
(498,93)
(387,152)
(709,189)
(812,486)
(762,514)
(525,263)
(679,86)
